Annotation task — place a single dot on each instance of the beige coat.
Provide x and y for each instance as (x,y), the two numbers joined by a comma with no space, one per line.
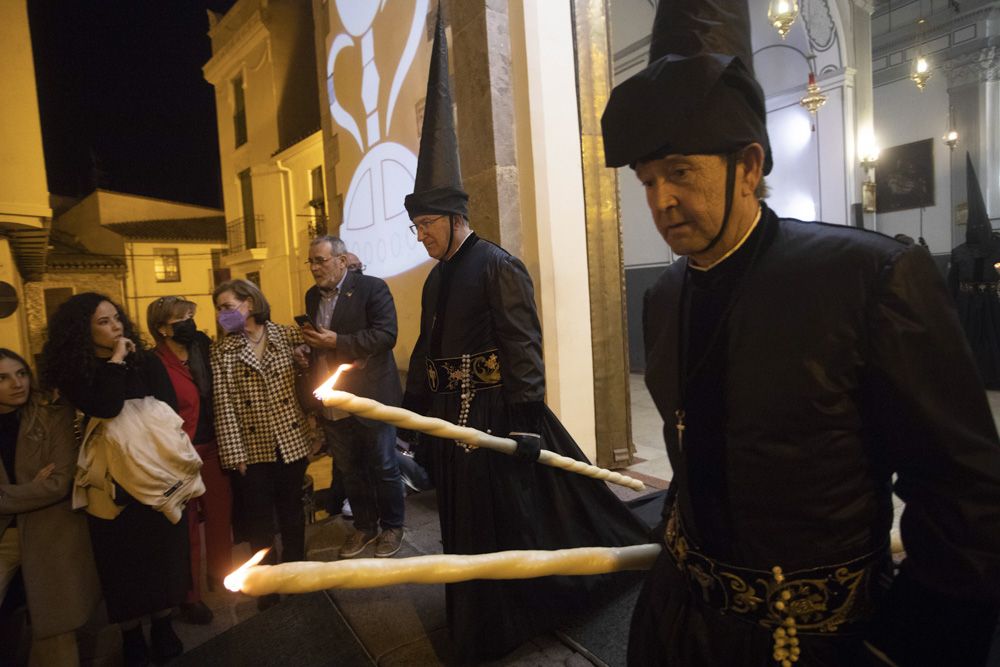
(56,558)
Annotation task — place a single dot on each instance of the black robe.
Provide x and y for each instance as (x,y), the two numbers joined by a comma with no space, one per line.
(974,283)
(479,300)
(830,360)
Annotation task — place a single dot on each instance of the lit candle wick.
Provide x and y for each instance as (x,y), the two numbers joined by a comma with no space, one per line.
(234,580)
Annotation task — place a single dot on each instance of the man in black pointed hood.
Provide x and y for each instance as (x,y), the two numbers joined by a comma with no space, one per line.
(804,372)
(975,282)
(478,362)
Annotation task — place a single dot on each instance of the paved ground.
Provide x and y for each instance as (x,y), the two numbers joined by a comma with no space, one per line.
(405,625)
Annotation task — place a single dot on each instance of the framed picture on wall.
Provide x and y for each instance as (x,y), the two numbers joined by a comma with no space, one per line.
(904,177)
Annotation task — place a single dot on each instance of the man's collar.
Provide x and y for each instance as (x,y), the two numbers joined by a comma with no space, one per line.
(461,245)
(332,291)
(739,244)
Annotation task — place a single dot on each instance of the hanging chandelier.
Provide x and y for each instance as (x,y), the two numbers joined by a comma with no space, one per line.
(814,98)
(920,71)
(950,138)
(782,14)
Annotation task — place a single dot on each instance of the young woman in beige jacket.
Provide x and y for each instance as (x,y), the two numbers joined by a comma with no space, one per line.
(39,532)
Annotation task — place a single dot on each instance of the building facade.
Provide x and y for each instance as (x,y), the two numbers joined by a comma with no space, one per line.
(153,247)
(263,68)
(25,213)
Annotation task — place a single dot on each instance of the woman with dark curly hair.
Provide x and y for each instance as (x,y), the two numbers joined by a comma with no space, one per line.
(98,363)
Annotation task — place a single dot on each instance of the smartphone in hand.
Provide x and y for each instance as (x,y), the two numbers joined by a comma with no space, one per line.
(303,320)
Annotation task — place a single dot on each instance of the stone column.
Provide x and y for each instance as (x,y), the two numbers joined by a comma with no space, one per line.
(490,99)
(860,32)
(480,35)
(613,423)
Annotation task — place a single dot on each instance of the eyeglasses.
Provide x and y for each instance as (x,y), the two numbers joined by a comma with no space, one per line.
(424,224)
(318,261)
(356,267)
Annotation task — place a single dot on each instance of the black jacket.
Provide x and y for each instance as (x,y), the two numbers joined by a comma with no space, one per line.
(844,365)
(364,319)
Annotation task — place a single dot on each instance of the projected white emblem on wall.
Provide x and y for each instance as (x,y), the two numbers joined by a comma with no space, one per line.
(375,225)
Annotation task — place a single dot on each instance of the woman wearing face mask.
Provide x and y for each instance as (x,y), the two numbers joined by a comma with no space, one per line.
(261,429)
(97,362)
(38,452)
(184,352)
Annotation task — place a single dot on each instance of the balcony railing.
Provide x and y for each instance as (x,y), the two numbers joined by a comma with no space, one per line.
(317,224)
(245,233)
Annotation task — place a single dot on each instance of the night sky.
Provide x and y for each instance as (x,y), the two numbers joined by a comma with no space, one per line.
(123,102)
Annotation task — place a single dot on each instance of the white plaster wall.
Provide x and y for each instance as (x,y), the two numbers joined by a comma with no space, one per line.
(795,179)
(813,156)
(630,22)
(557,207)
(903,114)
(642,245)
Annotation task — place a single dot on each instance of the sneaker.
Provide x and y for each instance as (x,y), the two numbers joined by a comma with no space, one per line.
(356,543)
(196,613)
(388,542)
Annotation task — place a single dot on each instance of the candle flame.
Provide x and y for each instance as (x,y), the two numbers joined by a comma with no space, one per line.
(324,389)
(234,580)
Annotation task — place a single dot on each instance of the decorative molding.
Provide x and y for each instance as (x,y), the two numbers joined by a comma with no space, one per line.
(237,48)
(865,6)
(819,24)
(244,257)
(634,54)
(903,37)
(976,67)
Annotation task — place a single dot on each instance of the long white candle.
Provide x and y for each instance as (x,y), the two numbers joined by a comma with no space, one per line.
(305,577)
(402,418)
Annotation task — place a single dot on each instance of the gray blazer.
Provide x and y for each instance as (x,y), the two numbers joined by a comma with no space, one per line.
(56,557)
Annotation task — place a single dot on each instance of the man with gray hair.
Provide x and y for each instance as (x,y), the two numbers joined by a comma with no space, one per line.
(353,321)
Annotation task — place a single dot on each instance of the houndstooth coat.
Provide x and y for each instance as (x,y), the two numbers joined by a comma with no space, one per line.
(256,410)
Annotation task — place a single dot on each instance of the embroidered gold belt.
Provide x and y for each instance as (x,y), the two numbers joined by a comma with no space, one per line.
(821,600)
(978,287)
(467,372)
